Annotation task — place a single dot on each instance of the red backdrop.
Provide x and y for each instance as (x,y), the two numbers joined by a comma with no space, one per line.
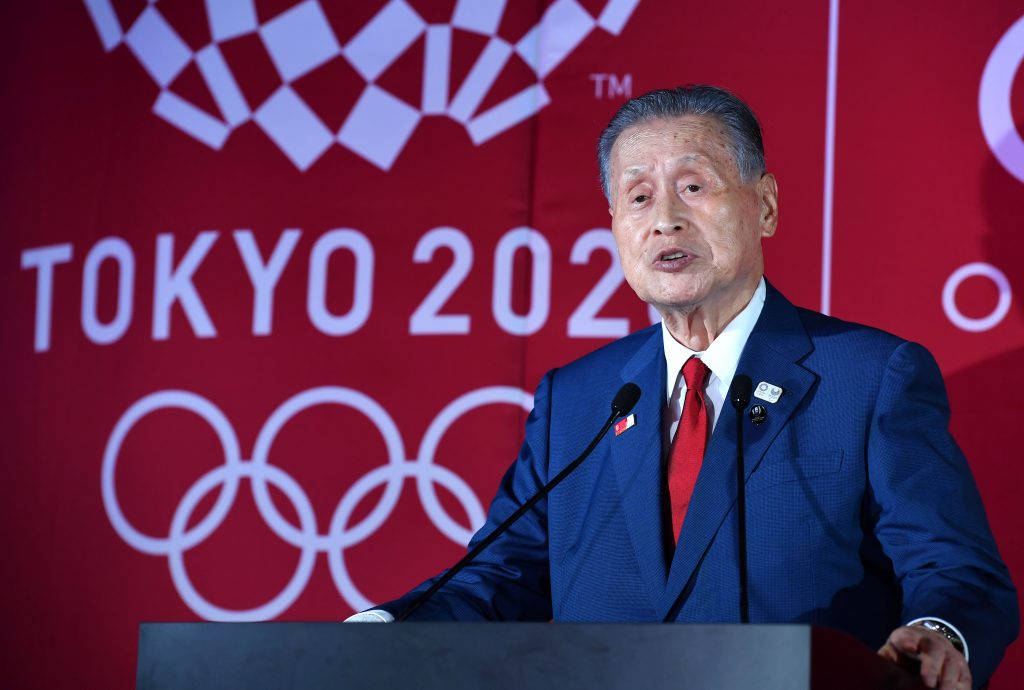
(279,277)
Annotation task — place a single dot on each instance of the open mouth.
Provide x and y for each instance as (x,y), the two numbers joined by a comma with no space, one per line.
(673,260)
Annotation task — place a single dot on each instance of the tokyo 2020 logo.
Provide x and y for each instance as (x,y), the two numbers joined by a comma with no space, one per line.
(301,40)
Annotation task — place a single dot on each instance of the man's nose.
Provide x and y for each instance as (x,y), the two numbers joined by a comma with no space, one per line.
(672,214)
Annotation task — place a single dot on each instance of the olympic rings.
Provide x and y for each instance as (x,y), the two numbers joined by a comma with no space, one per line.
(339,535)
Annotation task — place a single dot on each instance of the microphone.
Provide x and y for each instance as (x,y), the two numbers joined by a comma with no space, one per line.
(622,403)
(739,396)
(740,390)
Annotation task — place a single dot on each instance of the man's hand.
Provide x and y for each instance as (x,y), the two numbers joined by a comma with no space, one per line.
(942,666)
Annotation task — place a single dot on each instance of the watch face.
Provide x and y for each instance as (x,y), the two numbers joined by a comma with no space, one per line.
(946,632)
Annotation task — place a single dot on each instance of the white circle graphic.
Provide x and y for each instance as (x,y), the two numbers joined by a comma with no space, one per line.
(156,401)
(953,284)
(176,555)
(306,537)
(994,108)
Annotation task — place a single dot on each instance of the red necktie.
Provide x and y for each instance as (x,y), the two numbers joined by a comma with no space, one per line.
(691,439)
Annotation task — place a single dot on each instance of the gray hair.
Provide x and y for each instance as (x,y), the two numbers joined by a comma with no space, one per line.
(745,143)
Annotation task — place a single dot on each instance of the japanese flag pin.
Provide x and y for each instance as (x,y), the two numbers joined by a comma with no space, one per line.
(625,423)
(768,392)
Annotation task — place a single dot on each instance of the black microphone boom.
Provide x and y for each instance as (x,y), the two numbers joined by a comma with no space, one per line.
(622,403)
(739,396)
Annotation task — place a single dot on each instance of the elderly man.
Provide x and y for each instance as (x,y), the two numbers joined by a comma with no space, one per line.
(861,511)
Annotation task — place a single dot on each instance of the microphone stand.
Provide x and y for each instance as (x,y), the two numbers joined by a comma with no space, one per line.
(624,401)
(739,395)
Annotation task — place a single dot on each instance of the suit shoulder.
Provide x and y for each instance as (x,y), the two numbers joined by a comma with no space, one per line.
(616,351)
(825,329)
(860,347)
(598,374)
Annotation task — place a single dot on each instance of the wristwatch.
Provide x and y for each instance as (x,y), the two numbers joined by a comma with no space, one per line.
(944,630)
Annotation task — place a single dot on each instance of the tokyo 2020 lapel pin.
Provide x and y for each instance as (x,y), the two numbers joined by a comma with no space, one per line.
(768,392)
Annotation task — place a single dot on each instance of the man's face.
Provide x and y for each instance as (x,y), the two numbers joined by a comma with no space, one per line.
(688,229)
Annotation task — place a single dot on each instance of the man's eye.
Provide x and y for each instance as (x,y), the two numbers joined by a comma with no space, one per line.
(692,188)
(640,198)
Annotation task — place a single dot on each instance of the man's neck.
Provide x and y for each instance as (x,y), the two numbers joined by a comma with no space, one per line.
(697,327)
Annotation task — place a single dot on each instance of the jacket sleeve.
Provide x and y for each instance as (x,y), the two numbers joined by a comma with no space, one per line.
(928,514)
(510,579)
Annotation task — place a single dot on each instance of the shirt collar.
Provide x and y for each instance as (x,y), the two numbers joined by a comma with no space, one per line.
(723,354)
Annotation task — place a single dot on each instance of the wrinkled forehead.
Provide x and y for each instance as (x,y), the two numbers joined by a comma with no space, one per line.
(678,141)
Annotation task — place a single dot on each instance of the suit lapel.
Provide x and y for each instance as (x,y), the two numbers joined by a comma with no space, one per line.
(776,345)
(636,458)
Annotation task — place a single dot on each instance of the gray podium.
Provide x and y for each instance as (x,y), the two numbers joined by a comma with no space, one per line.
(431,656)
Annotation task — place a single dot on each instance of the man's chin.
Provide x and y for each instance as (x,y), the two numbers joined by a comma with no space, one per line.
(676,302)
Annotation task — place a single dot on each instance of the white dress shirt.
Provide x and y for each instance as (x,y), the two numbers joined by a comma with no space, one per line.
(722,357)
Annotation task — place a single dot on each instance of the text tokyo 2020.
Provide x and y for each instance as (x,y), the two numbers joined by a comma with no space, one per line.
(173,284)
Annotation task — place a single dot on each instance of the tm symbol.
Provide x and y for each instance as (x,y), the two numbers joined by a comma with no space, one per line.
(612,85)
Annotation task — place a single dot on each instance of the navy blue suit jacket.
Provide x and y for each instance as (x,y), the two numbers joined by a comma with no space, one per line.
(862,512)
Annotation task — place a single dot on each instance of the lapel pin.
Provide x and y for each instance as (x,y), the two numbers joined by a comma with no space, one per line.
(768,392)
(758,414)
(625,423)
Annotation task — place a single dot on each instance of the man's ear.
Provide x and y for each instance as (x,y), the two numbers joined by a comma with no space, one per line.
(768,195)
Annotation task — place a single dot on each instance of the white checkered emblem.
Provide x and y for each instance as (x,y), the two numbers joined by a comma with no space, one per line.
(301,40)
